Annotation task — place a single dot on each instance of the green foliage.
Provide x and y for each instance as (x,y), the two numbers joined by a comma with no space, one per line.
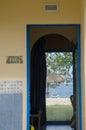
(60,63)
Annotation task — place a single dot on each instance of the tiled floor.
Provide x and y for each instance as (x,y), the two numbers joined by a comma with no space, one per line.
(56,127)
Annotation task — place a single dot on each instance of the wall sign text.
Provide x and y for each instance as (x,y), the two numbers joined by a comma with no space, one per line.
(14,59)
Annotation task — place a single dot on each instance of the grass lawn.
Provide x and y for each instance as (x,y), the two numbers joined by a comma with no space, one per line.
(59,112)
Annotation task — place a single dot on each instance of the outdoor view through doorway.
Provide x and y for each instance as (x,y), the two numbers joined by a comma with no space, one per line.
(59,86)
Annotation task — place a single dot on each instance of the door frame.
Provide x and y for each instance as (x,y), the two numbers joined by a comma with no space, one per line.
(28,71)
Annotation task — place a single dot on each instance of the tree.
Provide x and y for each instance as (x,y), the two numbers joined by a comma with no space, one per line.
(60,63)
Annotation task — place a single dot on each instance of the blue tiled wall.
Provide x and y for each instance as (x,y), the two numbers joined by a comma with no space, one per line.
(10,111)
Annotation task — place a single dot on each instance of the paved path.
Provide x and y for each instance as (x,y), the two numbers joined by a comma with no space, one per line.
(60,101)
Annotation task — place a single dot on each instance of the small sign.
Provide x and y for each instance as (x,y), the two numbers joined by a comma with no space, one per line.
(14,59)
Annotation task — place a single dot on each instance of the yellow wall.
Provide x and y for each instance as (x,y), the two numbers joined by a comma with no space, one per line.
(14,15)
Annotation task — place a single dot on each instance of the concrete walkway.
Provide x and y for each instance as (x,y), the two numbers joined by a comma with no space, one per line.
(58,101)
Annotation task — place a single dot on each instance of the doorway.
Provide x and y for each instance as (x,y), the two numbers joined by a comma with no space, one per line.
(59,86)
(39,31)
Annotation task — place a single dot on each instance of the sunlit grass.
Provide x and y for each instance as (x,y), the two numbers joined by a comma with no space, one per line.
(59,112)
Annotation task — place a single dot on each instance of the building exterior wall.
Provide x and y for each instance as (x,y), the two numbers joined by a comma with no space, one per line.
(14,16)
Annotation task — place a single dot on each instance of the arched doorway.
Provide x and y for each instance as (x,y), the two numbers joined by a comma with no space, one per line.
(52,45)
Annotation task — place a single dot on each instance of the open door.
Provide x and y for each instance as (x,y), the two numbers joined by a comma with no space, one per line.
(60,86)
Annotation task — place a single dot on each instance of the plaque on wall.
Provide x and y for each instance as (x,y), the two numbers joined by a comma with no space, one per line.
(14,59)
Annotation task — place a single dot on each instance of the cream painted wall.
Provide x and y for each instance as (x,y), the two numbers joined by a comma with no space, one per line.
(14,15)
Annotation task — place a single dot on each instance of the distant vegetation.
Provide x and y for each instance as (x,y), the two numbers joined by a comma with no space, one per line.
(60,63)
